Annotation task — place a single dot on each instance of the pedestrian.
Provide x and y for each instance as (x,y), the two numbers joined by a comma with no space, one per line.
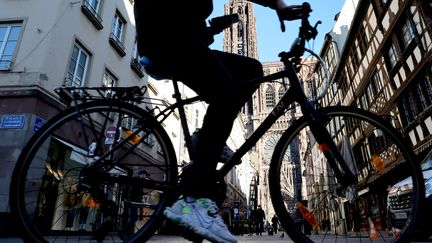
(275,222)
(251,222)
(259,220)
(173,36)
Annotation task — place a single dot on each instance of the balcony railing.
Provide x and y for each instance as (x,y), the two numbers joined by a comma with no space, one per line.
(92,14)
(137,67)
(117,44)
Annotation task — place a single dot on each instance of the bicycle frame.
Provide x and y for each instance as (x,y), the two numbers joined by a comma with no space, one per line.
(293,95)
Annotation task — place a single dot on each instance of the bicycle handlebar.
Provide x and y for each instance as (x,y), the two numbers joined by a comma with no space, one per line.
(306,32)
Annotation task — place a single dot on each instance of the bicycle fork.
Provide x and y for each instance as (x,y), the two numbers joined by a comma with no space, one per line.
(327,146)
(317,126)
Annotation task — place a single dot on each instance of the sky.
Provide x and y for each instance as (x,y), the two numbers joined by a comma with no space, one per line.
(271,40)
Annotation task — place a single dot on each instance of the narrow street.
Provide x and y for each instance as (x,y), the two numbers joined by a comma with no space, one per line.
(241,239)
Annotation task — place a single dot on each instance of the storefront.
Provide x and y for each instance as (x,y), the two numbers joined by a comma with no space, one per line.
(63,206)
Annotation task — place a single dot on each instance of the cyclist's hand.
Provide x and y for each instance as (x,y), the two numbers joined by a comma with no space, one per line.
(292,12)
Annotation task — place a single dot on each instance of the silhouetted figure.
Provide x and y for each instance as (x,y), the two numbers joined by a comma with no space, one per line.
(259,220)
(275,222)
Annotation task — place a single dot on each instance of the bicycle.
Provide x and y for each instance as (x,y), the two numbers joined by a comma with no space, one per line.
(105,168)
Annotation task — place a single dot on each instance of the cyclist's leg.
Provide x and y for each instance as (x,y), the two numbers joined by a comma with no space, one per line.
(227,96)
(205,72)
(217,77)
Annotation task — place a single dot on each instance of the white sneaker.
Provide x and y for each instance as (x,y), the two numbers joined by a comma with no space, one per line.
(201,216)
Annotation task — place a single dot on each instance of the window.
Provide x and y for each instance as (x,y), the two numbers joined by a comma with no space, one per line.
(407,33)
(330,59)
(135,62)
(117,33)
(354,60)
(392,56)
(91,9)
(9,34)
(117,29)
(371,91)
(281,92)
(424,93)
(416,100)
(344,86)
(364,102)
(77,67)
(377,81)
(94,4)
(150,140)
(408,108)
(270,97)
(361,40)
(108,81)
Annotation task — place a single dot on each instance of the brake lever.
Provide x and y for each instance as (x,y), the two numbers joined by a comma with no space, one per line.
(282,24)
(315,29)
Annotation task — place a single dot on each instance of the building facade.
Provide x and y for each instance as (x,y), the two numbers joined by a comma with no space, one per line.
(45,45)
(83,43)
(380,60)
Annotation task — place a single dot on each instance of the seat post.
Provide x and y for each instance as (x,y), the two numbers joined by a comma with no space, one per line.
(180,106)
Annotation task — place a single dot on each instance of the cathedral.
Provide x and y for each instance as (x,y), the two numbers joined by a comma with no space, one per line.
(241,38)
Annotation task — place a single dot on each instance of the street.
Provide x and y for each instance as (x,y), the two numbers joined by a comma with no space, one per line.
(275,238)
(241,239)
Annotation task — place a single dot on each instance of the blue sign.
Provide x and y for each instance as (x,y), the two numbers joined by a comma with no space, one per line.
(38,123)
(12,121)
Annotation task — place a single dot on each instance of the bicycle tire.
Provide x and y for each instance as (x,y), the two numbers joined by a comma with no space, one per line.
(325,198)
(106,200)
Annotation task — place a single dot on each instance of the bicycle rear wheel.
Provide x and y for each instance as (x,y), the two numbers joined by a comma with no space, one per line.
(312,203)
(101,171)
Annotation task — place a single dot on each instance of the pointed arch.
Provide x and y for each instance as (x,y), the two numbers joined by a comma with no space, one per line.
(270,99)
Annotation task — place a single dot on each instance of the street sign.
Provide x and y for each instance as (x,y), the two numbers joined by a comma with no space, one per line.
(12,121)
(38,123)
(110,133)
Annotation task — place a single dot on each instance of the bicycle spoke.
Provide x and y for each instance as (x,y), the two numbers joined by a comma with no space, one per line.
(371,150)
(103,171)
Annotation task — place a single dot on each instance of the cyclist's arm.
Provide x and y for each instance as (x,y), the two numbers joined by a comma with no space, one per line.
(274,4)
(285,12)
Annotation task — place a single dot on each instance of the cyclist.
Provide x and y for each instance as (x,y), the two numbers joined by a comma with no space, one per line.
(173,35)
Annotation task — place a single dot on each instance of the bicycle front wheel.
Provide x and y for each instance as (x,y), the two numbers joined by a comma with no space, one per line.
(101,171)
(314,205)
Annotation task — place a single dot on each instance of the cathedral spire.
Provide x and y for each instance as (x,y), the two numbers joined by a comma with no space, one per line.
(241,37)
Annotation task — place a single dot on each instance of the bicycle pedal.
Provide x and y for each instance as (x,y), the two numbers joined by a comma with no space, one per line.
(191,236)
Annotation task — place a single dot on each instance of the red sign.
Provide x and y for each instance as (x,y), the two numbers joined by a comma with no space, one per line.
(110,132)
